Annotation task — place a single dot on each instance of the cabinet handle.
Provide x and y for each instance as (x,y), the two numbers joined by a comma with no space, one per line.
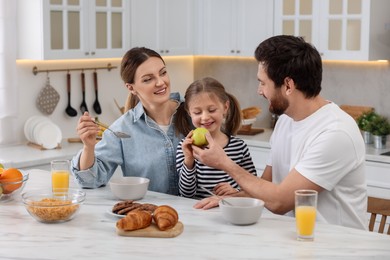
(162,51)
(238,51)
(166,51)
(86,53)
(93,53)
(232,51)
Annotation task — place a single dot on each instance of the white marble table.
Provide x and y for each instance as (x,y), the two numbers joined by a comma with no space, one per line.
(91,234)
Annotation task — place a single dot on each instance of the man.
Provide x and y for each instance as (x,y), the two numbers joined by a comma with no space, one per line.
(315,145)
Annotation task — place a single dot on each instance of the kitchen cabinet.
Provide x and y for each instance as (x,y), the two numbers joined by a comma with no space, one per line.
(72,29)
(259,158)
(339,29)
(234,27)
(166,26)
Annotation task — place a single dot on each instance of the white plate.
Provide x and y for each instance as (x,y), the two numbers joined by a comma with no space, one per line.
(30,124)
(47,134)
(248,121)
(109,212)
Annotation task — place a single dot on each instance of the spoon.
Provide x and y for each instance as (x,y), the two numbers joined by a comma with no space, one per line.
(69,109)
(96,104)
(116,133)
(83,106)
(212,193)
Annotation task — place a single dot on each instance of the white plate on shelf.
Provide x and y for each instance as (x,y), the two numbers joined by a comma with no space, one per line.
(48,135)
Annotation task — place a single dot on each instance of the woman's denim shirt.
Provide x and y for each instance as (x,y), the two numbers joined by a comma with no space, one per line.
(149,153)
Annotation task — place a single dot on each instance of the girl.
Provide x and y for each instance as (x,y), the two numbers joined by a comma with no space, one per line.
(150,151)
(211,107)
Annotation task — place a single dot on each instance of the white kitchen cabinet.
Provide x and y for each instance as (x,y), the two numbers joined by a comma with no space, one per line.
(72,29)
(259,158)
(234,27)
(166,26)
(339,29)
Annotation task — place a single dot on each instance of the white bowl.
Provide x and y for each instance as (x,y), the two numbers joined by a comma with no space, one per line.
(248,121)
(244,211)
(129,188)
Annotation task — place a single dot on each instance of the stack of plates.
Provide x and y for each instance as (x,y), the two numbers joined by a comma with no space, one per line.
(40,130)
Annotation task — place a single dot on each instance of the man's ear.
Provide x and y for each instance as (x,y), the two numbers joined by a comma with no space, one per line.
(290,85)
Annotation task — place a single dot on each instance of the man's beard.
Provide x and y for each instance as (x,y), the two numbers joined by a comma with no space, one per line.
(278,105)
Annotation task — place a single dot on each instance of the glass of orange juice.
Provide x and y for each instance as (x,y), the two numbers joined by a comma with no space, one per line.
(305,213)
(60,171)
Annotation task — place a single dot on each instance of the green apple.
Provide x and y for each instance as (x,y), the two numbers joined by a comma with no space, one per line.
(1,166)
(199,138)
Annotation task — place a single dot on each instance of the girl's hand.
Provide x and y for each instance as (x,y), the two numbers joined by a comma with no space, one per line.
(223,189)
(207,203)
(87,130)
(187,151)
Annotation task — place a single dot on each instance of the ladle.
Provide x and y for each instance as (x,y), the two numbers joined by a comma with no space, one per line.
(70,111)
(83,106)
(96,104)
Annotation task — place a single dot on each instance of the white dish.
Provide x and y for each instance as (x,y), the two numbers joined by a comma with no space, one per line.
(30,124)
(248,121)
(109,212)
(48,135)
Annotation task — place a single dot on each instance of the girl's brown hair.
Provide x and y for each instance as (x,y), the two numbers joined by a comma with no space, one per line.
(213,86)
(130,63)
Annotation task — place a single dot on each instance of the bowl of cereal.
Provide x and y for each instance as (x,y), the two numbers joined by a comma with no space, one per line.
(53,207)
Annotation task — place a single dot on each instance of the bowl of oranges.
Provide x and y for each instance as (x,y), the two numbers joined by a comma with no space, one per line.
(12,182)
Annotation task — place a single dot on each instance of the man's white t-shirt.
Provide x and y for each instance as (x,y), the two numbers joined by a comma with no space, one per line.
(328,149)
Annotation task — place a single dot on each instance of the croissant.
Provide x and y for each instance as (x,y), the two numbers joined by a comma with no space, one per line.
(135,220)
(165,217)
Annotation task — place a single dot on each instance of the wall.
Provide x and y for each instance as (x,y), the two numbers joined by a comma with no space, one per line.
(352,83)
(357,83)
(109,82)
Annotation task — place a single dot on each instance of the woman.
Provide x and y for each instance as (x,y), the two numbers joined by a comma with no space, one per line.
(150,121)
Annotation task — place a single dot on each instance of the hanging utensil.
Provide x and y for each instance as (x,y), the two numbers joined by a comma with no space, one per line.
(48,98)
(70,111)
(96,104)
(83,106)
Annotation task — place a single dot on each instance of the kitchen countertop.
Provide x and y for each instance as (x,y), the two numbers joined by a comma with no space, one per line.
(23,156)
(92,235)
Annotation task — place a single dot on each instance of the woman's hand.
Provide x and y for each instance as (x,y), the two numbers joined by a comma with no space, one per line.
(223,189)
(87,130)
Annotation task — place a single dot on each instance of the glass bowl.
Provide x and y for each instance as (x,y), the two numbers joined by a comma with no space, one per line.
(53,207)
(11,189)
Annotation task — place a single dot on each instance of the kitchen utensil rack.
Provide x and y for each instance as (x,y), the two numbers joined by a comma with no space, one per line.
(109,67)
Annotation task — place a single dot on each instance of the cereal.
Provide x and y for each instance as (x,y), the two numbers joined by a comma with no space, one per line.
(46,209)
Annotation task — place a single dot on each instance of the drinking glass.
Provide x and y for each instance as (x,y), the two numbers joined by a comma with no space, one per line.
(60,171)
(305,213)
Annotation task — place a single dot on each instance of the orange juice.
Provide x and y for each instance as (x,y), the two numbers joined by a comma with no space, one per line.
(60,180)
(305,219)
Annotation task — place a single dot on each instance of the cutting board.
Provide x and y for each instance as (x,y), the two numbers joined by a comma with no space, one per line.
(356,111)
(252,131)
(153,231)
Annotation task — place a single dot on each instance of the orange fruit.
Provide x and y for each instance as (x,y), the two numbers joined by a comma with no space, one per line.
(11,175)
